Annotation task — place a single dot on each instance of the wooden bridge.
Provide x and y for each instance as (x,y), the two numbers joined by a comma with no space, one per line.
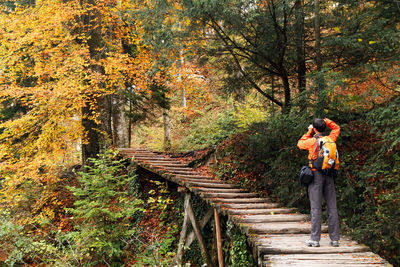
(275,233)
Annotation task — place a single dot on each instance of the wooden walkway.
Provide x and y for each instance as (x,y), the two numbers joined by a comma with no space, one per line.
(276,233)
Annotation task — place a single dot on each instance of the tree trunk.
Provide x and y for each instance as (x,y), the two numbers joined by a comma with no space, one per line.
(286,89)
(320,81)
(239,90)
(130,125)
(167,130)
(184,104)
(120,128)
(317,25)
(104,109)
(91,142)
(184,98)
(273,93)
(300,52)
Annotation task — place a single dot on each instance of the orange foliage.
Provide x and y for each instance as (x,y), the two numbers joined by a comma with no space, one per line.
(375,88)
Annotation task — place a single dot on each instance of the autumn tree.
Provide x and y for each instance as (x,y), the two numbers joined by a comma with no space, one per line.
(60,60)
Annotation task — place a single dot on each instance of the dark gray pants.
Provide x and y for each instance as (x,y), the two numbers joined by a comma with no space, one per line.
(323,185)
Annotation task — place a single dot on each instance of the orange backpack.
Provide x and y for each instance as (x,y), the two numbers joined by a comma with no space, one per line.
(327,155)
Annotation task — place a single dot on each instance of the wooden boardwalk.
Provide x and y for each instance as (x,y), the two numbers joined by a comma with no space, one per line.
(276,233)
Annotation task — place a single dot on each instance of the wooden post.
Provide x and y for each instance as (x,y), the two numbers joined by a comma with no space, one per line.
(182,238)
(219,242)
(197,231)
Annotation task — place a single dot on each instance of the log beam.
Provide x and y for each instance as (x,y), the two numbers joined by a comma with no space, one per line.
(219,242)
(197,231)
(203,223)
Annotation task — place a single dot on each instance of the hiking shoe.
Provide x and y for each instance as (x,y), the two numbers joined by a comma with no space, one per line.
(312,243)
(335,243)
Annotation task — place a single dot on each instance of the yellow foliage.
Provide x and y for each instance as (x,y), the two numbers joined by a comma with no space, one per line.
(43,68)
(250,112)
(47,69)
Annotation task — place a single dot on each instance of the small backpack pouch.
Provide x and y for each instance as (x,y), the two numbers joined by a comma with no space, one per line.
(306,176)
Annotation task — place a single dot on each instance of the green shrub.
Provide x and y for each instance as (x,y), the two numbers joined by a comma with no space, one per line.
(103,210)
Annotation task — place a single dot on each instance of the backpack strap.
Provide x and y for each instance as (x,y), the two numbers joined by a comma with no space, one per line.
(315,147)
(317,136)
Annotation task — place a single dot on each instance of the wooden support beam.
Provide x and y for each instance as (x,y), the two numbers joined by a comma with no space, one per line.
(197,231)
(182,238)
(219,242)
(203,223)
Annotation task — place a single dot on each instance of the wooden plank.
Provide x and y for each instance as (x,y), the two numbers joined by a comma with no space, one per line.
(318,264)
(201,180)
(149,157)
(178,181)
(188,181)
(189,172)
(251,206)
(298,239)
(343,259)
(311,250)
(252,211)
(295,244)
(158,161)
(155,162)
(269,218)
(281,228)
(366,257)
(198,176)
(173,169)
(163,168)
(213,185)
(134,154)
(228,195)
(248,201)
(167,165)
(131,151)
(218,190)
